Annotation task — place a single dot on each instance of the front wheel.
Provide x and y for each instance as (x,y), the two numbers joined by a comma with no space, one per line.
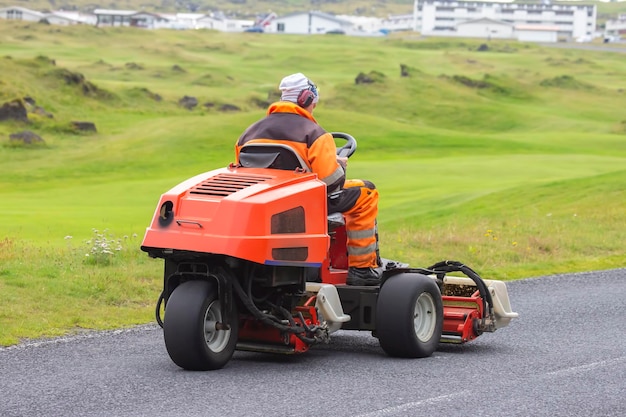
(193,329)
(409,316)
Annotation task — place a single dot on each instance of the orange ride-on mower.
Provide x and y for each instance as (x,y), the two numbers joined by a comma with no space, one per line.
(254,262)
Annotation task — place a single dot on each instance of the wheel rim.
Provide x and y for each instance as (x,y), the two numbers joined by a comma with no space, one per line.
(216,340)
(424,317)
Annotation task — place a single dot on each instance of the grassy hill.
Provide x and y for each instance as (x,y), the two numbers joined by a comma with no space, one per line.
(509,157)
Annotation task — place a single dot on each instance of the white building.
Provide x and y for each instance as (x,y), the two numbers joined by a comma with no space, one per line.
(184,20)
(181,21)
(537,33)
(616,28)
(442,17)
(61,17)
(21,13)
(106,17)
(400,22)
(362,23)
(308,23)
(485,28)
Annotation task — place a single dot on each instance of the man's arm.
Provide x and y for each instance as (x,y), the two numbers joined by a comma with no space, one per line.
(325,163)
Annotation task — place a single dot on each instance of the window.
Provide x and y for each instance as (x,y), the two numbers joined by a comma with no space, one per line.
(280,27)
(14,14)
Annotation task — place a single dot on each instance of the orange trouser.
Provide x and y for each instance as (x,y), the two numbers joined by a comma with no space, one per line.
(361,223)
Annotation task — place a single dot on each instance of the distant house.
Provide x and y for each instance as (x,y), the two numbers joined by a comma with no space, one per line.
(616,27)
(149,20)
(70,18)
(105,17)
(496,29)
(146,20)
(364,24)
(400,22)
(236,25)
(485,28)
(308,23)
(21,13)
(210,22)
(537,33)
(186,20)
(447,18)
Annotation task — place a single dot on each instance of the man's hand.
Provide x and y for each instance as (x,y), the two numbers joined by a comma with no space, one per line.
(343,161)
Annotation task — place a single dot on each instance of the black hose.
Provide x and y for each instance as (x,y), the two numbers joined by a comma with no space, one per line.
(456,266)
(158,309)
(264,318)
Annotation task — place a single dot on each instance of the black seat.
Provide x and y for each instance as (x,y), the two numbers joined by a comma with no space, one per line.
(271,155)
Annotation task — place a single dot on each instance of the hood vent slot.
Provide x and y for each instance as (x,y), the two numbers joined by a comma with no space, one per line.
(223,185)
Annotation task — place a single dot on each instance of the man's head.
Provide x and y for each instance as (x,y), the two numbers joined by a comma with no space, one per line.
(299,89)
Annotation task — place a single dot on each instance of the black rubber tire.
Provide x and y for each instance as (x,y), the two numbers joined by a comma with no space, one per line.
(187,341)
(405,325)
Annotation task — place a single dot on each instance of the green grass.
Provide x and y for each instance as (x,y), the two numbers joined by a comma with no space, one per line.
(511,160)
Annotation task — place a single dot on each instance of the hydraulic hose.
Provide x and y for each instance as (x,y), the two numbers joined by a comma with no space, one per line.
(456,266)
(158,309)
(264,318)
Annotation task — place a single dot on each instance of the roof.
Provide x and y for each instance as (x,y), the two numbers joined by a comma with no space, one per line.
(115,12)
(321,15)
(23,10)
(158,16)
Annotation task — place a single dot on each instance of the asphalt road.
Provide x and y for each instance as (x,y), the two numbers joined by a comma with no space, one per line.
(564,356)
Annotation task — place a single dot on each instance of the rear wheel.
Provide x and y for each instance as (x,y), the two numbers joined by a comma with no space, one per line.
(409,316)
(193,331)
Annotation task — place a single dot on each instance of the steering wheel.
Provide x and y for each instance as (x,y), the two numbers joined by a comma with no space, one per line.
(349,148)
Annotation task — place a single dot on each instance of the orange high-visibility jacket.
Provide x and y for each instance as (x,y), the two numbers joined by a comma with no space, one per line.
(290,124)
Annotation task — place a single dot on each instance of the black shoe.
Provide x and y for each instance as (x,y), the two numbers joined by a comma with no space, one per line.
(363,276)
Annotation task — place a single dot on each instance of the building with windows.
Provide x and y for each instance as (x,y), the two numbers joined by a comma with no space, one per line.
(309,23)
(21,13)
(448,18)
(616,28)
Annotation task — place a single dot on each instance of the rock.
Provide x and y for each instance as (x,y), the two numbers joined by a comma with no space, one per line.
(133,66)
(42,112)
(84,126)
(26,137)
(14,110)
(188,102)
(229,107)
(372,77)
(404,70)
(260,103)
